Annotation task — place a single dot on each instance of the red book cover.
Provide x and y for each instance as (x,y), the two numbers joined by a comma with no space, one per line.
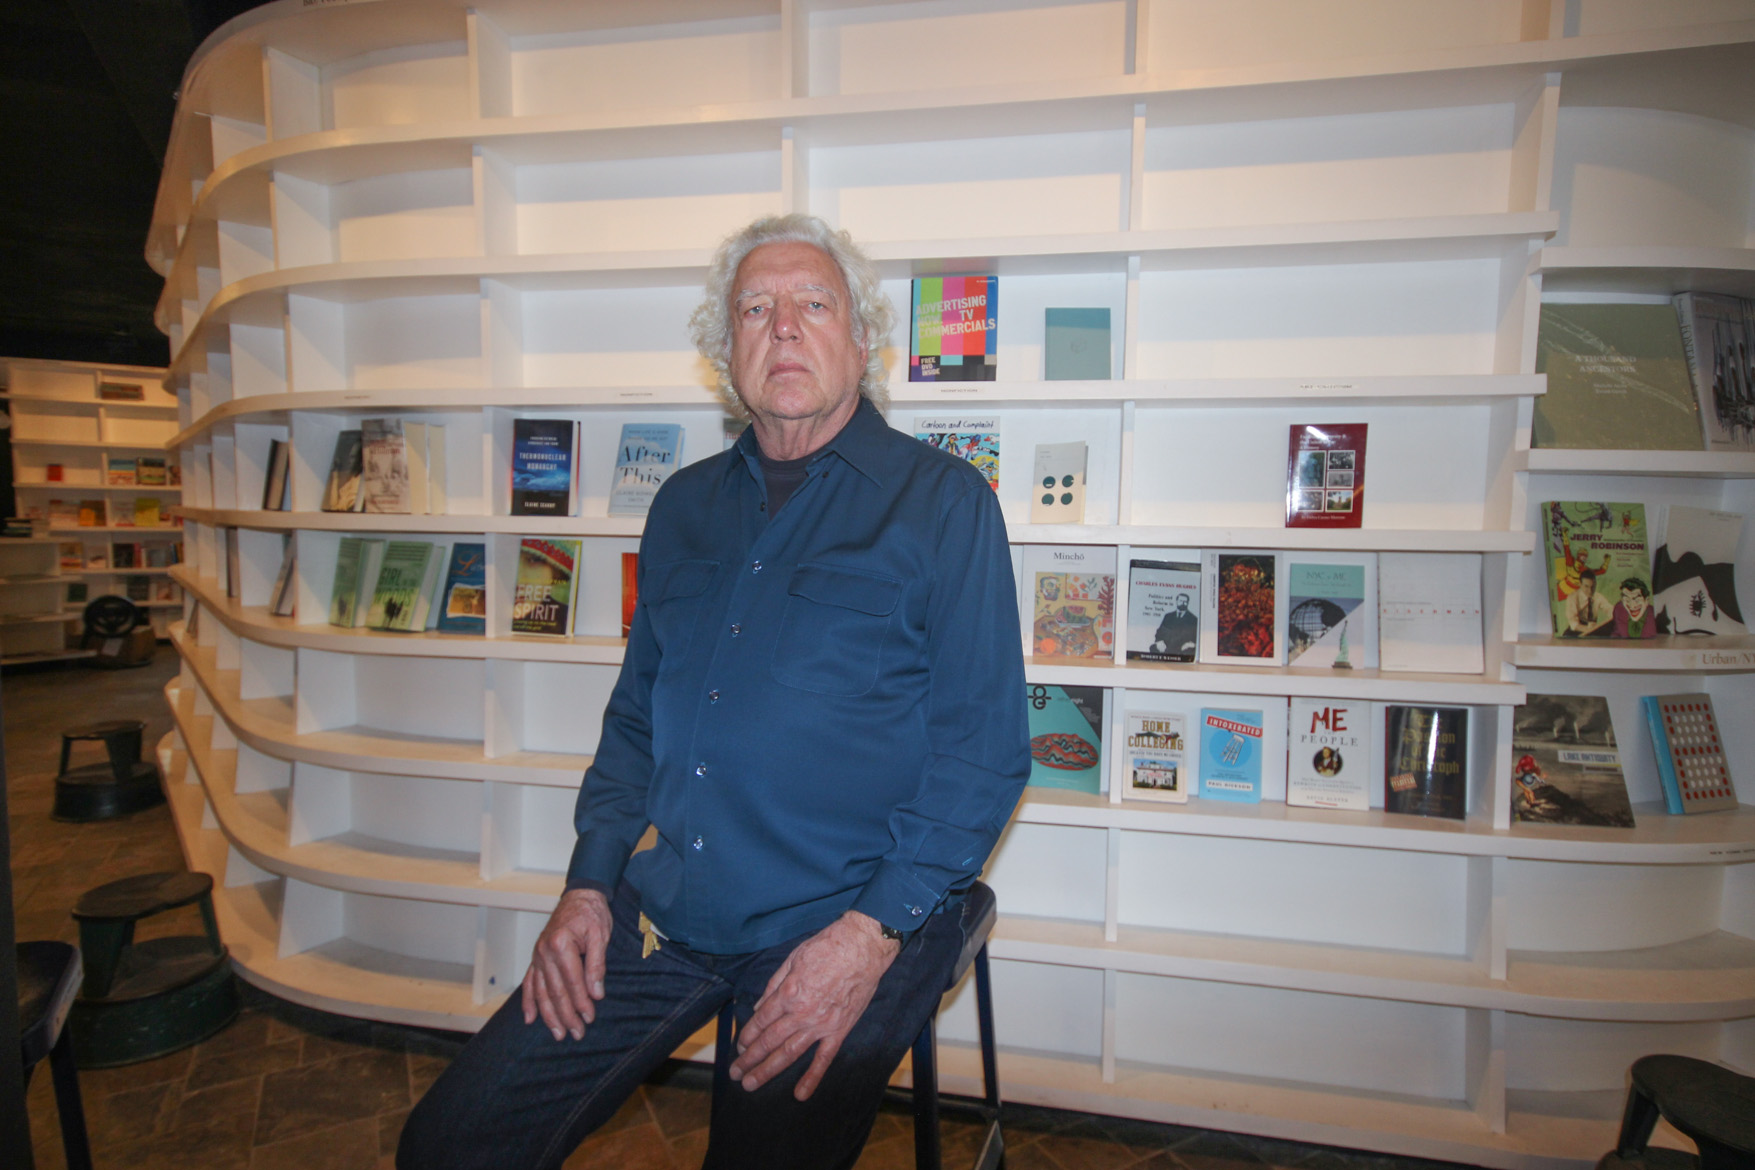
(1325,475)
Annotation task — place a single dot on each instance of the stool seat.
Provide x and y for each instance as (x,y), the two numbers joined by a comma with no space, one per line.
(97,792)
(130,899)
(49,976)
(104,730)
(1712,1105)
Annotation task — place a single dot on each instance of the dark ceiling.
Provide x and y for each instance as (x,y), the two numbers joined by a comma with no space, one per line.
(88,88)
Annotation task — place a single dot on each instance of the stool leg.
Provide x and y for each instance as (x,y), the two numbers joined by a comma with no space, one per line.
(722,1053)
(210,924)
(67,1103)
(102,944)
(66,755)
(121,765)
(1637,1121)
(926,1151)
(984,1021)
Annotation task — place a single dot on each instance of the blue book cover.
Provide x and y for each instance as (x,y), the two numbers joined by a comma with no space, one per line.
(463,603)
(644,459)
(1230,755)
(544,466)
(1066,737)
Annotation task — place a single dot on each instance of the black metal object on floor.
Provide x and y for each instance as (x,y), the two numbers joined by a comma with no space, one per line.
(1711,1105)
(49,976)
(123,783)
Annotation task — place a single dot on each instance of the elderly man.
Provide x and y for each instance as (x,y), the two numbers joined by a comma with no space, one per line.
(820,711)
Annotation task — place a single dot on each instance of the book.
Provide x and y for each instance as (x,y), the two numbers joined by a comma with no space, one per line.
(1693,769)
(1325,475)
(954,331)
(1693,574)
(630,589)
(149,471)
(1057,486)
(121,392)
(438,469)
(1072,601)
(1426,761)
(1331,610)
(71,554)
(174,474)
(542,594)
(545,467)
(1230,755)
(160,555)
(1429,612)
(283,598)
(125,556)
(64,514)
(1156,757)
(341,492)
(1163,611)
(414,443)
(644,458)
(1717,342)
(463,602)
(274,478)
(403,592)
(165,589)
(384,459)
(120,472)
(1328,754)
(356,573)
(1075,345)
(91,514)
(78,592)
(1066,736)
(1565,766)
(1617,379)
(1243,608)
(234,584)
(54,473)
(148,512)
(973,440)
(138,588)
(1598,569)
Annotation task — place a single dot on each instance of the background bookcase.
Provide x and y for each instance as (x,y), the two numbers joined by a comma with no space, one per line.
(1344,212)
(59,418)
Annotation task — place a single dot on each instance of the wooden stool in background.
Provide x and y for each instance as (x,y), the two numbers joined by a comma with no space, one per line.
(122,784)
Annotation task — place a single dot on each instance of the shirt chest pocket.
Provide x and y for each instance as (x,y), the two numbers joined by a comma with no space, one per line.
(674,598)
(833,630)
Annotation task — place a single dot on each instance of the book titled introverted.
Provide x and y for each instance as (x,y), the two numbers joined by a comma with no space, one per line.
(955,329)
(1328,754)
(1693,767)
(1565,765)
(1230,755)
(1617,379)
(1066,736)
(1157,767)
(973,439)
(1599,580)
(1426,761)
(545,467)
(542,595)
(463,603)
(644,459)
(1163,611)
(1325,475)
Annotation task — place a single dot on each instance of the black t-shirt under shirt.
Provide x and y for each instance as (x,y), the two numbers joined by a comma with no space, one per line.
(783,477)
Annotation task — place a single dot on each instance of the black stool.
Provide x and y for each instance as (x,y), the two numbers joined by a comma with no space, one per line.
(980,912)
(48,979)
(122,785)
(1712,1105)
(147,999)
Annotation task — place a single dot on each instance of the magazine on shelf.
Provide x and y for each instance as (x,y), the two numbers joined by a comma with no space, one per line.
(1599,572)
(1243,608)
(1719,343)
(384,452)
(973,439)
(1163,611)
(1066,736)
(954,335)
(1071,605)
(1429,612)
(1157,757)
(542,595)
(1426,760)
(545,467)
(645,457)
(1057,486)
(1331,610)
(341,492)
(1694,574)
(1565,764)
(1325,475)
(1694,769)
(463,604)
(1329,758)
(1617,379)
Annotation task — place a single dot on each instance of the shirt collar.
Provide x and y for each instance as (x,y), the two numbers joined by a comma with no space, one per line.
(858,444)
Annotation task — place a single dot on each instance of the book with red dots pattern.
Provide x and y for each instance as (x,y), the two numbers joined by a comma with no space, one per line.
(1691,759)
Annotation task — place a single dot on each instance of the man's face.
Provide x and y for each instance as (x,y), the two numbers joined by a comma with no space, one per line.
(1587,586)
(1634,600)
(792,350)
(1182,603)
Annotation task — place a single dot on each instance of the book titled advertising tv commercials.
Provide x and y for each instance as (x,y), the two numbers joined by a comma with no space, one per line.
(463,603)
(1163,611)
(954,335)
(1718,337)
(542,595)
(1072,601)
(1617,379)
(1325,475)
(384,482)
(1157,767)
(644,459)
(545,467)
(1693,767)
(1243,608)
(1565,766)
(974,440)
(1599,583)
(403,595)
(1429,612)
(1066,736)
(1693,575)
(1328,754)
(341,492)
(1426,761)
(1331,610)
(1230,755)
(1057,485)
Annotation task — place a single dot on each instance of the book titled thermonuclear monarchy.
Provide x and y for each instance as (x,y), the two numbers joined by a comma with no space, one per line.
(955,332)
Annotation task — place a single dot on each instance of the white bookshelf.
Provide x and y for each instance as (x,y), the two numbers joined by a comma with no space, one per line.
(1347,214)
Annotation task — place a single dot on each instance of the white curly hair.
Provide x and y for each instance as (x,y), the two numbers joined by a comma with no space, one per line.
(871,313)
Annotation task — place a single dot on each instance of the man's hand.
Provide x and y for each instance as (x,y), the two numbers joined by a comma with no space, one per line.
(815,997)
(560,987)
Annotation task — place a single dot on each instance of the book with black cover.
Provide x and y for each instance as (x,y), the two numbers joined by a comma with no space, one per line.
(1426,761)
(545,467)
(342,491)
(1565,765)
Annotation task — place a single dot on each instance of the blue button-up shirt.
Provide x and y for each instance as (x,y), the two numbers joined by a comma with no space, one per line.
(818,710)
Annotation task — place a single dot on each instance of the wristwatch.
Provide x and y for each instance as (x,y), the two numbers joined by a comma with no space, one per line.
(901,936)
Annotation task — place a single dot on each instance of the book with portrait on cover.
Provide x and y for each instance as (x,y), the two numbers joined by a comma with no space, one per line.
(385,481)
(1328,754)
(1163,611)
(1599,579)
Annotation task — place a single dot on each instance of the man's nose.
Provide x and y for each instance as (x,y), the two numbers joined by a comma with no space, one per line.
(785,322)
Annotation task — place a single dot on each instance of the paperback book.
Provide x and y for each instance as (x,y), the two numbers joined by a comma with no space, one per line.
(954,335)
(1325,475)
(463,603)
(1693,575)
(1426,761)
(1230,755)
(403,593)
(545,467)
(542,594)
(384,481)
(1328,754)
(1075,345)
(1565,765)
(1598,570)
(341,492)
(149,471)
(1693,768)
(120,472)
(645,457)
(1718,339)
(1243,608)
(630,589)
(1163,611)
(1057,488)
(1617,379)
(1156,757)
(1072,601)
(1429,612)
(1331,610)
(283,599)
(1066,737)
(356,573)
(973,440)
(275,481)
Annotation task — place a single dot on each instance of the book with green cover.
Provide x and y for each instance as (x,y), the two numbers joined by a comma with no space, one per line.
(1599,570)
(356,572)
(402,596)
(1617,380)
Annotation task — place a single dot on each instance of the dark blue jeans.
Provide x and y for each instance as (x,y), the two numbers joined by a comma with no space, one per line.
(518,1099)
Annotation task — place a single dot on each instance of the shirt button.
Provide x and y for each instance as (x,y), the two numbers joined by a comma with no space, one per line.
(756,567)
(712,696)
(700,843)
(700,769)
(736,629)
(916,911)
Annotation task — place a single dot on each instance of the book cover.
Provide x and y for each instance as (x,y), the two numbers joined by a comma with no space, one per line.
(954,336)
(384,481)
(1230,755)
(149,471)
(1598,569)
(973,440)
(121,391)
(91,513)
(1157,757)
(356,572)
(234,583)
(120,472)
(124,555)
(1163,611)
(71,554)
(545,467)
(1071,607)
(1075,345)
(1565,765)
(1693,769)
(341,493)
(630,589)
(414,443)
(1331,610)
(64,514)
(1617,379)
(1057,492)
(438,470)
(542,595)
(1717,343)
(1429,612)
(165,589)
(1426,761)
(148,512)
(1328,754)
(138,588)
(404,586)
(463,604)
(283,599)
(644,459)
(275,479)
(1243,608)
(1693,575)
(1325,475)
(1066,737)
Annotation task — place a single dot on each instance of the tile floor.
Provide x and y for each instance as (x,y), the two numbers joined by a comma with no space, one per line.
(288,1088)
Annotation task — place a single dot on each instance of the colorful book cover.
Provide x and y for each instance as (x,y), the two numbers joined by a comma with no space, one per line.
(1617,380)
(1565,766)
(384,482)
(1230,755)
(64,514)
(542,596)
(1599,582)
(1325,475)
(91,513)
(149,471)
(148,513)
(1157,764)
(1426,761)
(1074,615)
(630,589)
(1328,754)
(1693,767)
(545,466)
(121,472)
(1693,575)
(1066,737)
(1331,610)
(404,586)
(1163,611)
(341,493)
(1243,608)
(644,459)
(955,332)
(1720,346)
(973,440)
(463,604)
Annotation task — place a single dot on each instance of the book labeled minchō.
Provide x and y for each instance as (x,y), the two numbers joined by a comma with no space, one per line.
(1066,736)
(543,592)
(545,467)
(1163,611)
(1426,761)
(954,331)
(1071,604)
(973,439)
(1566,765)
(463,602)
(1599,580)
(645,457)
(1325,475)
(1328,754)
(1157,757)
(1231,755)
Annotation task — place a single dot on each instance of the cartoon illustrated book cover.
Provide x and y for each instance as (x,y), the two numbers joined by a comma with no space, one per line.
(1157,767)
(1331,610)
(1693,574)
(1066,737)
(1565,765)
(954,335)
(1230,755)
(1617,380)
(1426,761)
(644,459)
(542,595)
(1325,475)
(463,603)
(974,440)
(1073,615)
(1163,611)
(1328,754)
(1599,583)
